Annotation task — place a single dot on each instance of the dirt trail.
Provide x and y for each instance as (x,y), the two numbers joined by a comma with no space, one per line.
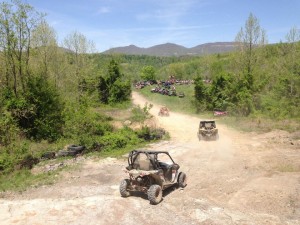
(238,179)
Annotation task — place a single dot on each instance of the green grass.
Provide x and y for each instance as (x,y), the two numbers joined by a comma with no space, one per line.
(260,125)
(288,168)
(118,153)
(22,179)
(174,103)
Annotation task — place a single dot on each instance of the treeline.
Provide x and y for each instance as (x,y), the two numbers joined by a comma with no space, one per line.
(132,65)
(271,89)
(258,79)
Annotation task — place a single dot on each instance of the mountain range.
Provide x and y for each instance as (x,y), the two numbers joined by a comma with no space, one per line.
(170,49)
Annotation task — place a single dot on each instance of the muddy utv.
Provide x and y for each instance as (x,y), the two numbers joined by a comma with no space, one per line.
(164,111)
(207,130)
(151,172)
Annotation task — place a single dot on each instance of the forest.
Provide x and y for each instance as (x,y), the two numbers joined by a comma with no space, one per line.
(51,92)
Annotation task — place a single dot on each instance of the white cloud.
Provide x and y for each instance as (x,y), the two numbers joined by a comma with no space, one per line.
(103,10)
(166,12)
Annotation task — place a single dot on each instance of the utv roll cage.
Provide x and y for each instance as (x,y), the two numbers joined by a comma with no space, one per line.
(151,158)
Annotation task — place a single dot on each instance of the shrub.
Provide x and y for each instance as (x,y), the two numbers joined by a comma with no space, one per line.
(148,73)
(113,88)
(8,129)
(81,120)
(15,156)
(6,163)
(141,114)
(120,139)
(148,134)
(47,123)
(38,112)
(120,91)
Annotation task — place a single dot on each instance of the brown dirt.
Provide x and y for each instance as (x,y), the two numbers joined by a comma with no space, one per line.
(242,178)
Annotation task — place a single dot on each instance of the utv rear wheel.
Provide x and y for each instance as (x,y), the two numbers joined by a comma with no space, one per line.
(155,194)
(182,180)
(123,188)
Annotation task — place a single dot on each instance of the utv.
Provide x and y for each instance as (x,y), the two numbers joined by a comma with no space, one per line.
(163,111)
(181,95)
(207,130)
(151,172)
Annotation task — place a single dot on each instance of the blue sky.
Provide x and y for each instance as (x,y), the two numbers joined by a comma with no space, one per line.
(144,23)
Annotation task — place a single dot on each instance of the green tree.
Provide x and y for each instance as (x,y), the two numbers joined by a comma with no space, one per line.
(114,73)
(148,73)
(177,70)
(48,120)
(79,46)
(247,65)
(103,90)
(220,91)
(283,97)
(120,91)
(17,21)
(249,38)
(38,112)
(80,64)
(216,68)
(44,41)
(113,88)
(201,94)
(292,61)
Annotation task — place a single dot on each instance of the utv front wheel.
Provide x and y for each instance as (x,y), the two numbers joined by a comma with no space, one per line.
(123,188)
(155,194)
(182,180)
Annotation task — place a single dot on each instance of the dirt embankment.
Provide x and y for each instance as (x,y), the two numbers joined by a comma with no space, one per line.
(238,179)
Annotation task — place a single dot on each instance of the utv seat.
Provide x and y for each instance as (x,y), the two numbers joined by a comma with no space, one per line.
(167,169)
(142,162)
(145,164)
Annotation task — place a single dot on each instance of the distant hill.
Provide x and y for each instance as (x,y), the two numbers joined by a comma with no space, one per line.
(170,49)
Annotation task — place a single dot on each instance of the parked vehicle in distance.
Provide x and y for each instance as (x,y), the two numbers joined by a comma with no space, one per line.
(220,113)
(181,95)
